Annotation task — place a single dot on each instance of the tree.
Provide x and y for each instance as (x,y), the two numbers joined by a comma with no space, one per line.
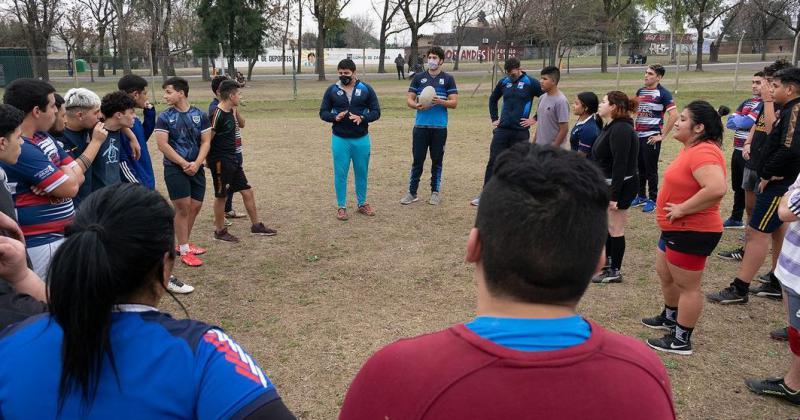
(786,12)
(358,32)
(466,11)
(122,8)
(103,15)
(611,11)
(159,13)
(553,20)
(326,13)
(38,19)
(728,24)
(183,32)
(300,45)
(674,13)
(9,32)
(702,14)
(511,18)
(419,13)
(388,27)
(239,25)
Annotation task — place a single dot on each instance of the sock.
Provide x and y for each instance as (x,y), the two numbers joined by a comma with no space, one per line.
(683,333)
(741,286)
(184,249)
(616,251)
(670,313)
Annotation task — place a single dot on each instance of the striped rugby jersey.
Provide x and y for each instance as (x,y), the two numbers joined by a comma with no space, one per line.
(653,104)
(788,268)
(743,119)
(41,218)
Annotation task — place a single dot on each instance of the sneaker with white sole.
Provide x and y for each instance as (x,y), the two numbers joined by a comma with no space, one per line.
(475,201)
(177,286)
(408,199)
(670,344)
(435,198)
(659,322)
(774,387)
(733,255)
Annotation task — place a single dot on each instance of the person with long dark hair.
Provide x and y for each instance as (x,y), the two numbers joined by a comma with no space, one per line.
(616,151)
(105,350)
(688,215)
(587,128)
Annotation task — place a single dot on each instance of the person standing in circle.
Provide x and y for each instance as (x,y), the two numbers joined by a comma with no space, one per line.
(615,151)
(586,130)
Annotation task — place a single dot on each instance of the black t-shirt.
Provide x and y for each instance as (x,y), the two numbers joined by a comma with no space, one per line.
(760,136)
(223,145)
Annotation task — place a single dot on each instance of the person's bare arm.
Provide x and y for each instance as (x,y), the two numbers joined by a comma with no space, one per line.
(162,139)
(239,117)
(562,134)
(450,102)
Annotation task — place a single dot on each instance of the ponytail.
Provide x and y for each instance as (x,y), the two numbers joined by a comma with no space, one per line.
(113,250)
(598,120)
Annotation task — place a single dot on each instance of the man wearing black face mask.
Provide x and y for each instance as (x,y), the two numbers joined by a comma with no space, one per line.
(350,105)
(518,91)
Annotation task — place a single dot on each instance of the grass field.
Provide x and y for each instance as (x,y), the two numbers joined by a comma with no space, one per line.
(312,303)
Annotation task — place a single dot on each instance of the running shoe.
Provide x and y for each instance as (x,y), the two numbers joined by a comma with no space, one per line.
(194,249)
(765,278)
(608,276)
(733,224)
(191,260)
(649,206)
(768,290)
(228,222)
(233,214)
(408,199)
(177,286)
(638,201)
(734,255)
(659,322)
(366,210)
(435,199)
(260,229)
(341,214)
(774,387)
(781,334)
(224,236)
(670,344)
(726,296)
(475,201)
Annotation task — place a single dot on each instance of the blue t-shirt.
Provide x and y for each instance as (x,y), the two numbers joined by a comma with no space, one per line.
(167,369)
(583,135)
(184,130)
(105,168)
(528,334)
(445,84)
(74,143)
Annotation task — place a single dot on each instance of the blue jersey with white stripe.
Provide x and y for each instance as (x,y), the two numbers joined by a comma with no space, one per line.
(166,368)
(518,96)
(445,84)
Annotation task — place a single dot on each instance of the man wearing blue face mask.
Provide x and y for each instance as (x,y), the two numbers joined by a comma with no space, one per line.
(430,126)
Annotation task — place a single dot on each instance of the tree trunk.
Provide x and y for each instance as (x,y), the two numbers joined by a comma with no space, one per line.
(124,49)
(321,31)
(700,39)
(167,66)
(457,58)
(154,56)
(204,67)
(40,62)
(114,57)
(250,64)
(101,58)
(285,36)
(381,64)
(299,66)
(764,47)
(414,45)
(604,56)
(231,42)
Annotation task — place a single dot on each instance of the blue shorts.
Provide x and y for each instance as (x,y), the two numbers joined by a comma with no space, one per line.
(765,213)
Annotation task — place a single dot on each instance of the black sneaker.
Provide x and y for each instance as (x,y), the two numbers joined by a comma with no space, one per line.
(774,387)
(781,334)
(768,290)
(735,255)
(659,322)
(765,278)
(726,296)
(670,344)
(608,276)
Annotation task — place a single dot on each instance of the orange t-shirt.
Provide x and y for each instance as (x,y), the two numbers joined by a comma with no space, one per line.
(680,185)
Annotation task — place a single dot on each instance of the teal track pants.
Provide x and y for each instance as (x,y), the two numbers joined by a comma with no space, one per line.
(345,151)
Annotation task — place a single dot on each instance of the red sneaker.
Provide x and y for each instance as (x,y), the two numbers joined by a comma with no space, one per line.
(341,214)
(366,209)
(194,249)
(191,260)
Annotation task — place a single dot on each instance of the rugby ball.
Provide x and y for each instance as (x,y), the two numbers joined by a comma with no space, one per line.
(425,98)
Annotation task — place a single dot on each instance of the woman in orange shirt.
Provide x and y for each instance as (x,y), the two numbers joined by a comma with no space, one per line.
(687,211)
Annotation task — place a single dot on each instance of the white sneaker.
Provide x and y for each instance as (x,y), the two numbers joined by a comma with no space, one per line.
(475,201)
(434,200)
(408,199)
(177,286)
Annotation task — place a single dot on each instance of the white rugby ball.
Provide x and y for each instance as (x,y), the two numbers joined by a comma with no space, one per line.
(425,98)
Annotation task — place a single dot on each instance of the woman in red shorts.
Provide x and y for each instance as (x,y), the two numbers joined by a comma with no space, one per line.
(687,211)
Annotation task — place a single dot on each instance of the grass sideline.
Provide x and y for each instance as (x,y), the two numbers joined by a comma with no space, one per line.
(312,303)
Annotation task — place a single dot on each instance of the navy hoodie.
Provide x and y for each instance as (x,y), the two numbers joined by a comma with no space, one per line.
(364,102)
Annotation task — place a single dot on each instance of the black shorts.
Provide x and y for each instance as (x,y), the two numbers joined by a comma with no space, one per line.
(765,213)
(629,190)
(228,176)
(180,185)
(689,242)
